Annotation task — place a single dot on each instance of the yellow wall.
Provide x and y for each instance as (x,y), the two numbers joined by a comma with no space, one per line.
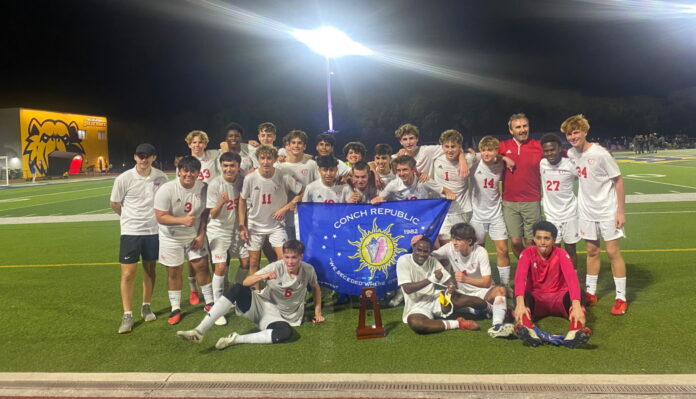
(43,132)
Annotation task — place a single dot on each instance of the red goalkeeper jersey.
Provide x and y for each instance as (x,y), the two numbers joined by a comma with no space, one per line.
(555,274)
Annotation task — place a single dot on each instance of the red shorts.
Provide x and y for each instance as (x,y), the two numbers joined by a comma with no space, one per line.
(544,304)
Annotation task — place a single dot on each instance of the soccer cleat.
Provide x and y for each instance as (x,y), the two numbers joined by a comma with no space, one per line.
(619,308)
(501,330)
(193,298)
(208,306)
(576,337)
(590,299)
(190,335)
(126,324)
(226,341)
(221,321)
(465,324)
(548,338)
(397,300)
(174,317)
(527,335)
(147,314)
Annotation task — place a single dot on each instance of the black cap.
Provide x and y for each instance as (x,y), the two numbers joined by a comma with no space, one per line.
(145,148)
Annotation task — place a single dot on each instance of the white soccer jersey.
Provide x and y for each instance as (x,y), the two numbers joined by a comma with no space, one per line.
(226,222)
(305,171)
(397,190)
(136,194)
(343,169)
(485,195)
(265,196)
(446,173)
(476,265)
(286,292)
(209,165)
(557,182)
(408,271)
(318,192)
(595,168)
(365,196)
(178,202)
(388,178)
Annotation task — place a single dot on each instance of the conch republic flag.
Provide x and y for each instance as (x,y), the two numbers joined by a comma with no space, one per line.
(356,246)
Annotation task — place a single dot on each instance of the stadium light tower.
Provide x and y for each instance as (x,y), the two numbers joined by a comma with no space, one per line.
(331,43)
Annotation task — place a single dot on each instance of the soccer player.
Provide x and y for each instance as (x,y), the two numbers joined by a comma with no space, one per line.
(275,309)
(298,166)
(382,164)
(407,186)
(234,133)
(265,190)
(223,229)
(487,214)
(325,147)
(354,152)
(266,135)
(325,189)
(180,208)
(601,199)
(446,173)
(408,135)
(546,285)
(560,204)
(361,187)
(132,198)
(521,184)
(422,278)
(472,272)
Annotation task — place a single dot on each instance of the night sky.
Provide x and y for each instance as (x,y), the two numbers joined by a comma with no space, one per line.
(166,67)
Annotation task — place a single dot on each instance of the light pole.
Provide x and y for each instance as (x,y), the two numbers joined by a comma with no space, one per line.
(331,43)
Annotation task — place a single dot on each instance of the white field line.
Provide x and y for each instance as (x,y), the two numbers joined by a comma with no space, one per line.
(62,192)
(644,198)
(59,219)
(47,203)
(638,193)
(95,211)
(656,212)
(657,182)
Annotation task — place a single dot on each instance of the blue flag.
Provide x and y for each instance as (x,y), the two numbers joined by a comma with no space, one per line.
(355,246)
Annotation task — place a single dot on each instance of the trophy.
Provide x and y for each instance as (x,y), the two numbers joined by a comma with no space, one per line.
(373,331)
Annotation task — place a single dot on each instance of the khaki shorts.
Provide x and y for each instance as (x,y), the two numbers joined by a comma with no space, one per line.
(520,217)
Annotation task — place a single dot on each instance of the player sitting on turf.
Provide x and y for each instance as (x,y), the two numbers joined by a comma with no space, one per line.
(408,187)
(361,187)
(422,279)
(601,198)
(472,271)
(558,177)
(487,216)
(275,309)
(265,191)
(445,171)
(325,189)
(182,216)
(223,229)
(546,285)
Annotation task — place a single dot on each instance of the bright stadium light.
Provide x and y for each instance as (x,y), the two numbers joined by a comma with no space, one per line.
(331,43)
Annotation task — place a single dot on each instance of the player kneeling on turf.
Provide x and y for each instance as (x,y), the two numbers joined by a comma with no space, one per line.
(546,285)
(274,309)
(422,279)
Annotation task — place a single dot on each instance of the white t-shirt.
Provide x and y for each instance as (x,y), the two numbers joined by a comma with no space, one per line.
(485,194)
(343,169)
(209,165)
(396,190)
(595,168)
(226,222)
(557,182)
(386,179)
(178,202)
(318,192)
(446,173)
(305,171)
(266,196)
(136,194)
(425,156)
(476,265)
(408,271)
(286,292)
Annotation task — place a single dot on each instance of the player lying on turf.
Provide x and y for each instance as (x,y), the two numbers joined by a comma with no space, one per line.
(274,309)
(422,279)
(546,285)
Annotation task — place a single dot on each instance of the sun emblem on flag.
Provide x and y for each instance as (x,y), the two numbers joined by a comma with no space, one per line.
(376,249)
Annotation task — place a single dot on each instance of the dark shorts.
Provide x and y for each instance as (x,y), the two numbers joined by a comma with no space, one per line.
(544,304)
(135,247)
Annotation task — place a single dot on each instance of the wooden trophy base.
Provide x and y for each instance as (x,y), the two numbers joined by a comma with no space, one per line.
(363,331)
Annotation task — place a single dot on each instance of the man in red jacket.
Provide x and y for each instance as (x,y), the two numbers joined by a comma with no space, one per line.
(521,185)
